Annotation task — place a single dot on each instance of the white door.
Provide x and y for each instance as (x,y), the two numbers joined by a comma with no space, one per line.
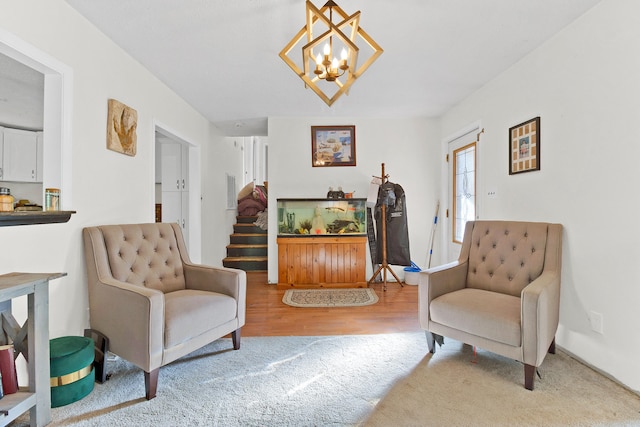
(462,200)
(172,207)
(171,164)
(256,151)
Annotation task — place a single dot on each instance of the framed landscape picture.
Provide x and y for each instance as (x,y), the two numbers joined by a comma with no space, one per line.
(524,147)
(333,146)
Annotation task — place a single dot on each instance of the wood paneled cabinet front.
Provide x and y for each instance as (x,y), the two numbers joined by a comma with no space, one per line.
(322,262)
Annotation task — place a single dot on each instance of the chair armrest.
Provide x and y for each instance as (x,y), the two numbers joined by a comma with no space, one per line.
(540,316)
(132,317)
(438,281)
(227,281)
(224,280)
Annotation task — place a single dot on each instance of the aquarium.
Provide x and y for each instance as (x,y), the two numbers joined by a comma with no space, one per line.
(322,217)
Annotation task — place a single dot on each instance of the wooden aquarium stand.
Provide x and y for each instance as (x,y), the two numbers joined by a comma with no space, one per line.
(322,262)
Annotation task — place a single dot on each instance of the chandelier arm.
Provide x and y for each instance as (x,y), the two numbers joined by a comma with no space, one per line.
(338,9)
(377,51)
(314,14)
(317,13)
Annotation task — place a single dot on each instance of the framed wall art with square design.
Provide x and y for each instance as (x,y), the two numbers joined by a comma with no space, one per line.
(524,147)
(333,146)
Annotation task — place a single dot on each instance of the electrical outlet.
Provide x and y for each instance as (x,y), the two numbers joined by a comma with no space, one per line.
(596,322)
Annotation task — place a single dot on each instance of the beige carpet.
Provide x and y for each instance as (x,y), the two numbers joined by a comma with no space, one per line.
(358,380)
(449,389)
(349,297)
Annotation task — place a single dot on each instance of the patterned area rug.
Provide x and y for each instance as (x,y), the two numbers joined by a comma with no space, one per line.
(350,297)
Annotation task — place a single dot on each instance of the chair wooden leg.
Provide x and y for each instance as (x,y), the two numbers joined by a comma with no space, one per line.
(101,348)
(235,337)
(151,383)
(431,342)
(529,376)
(552,347)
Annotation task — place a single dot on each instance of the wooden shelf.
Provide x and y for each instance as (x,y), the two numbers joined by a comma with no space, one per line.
(34,217)
(14,405)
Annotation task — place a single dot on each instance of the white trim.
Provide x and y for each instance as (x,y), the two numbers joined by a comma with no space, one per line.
(476,126)
(195,186)
(58,108)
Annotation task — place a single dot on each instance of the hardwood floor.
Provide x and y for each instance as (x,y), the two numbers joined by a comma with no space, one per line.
(395,311)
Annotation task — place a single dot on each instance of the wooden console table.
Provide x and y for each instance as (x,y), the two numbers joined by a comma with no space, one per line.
(322,262)
(37,398)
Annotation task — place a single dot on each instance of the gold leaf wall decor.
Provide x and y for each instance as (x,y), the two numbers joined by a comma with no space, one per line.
(122,122)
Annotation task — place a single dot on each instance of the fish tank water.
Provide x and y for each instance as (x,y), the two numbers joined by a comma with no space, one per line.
(322,217)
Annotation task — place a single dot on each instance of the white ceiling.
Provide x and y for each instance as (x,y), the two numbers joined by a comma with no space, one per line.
(222,56)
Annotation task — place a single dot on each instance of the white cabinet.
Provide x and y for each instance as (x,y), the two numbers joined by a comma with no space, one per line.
(175,185)
(175,208)
(175,167)
(1,153)
(20,156)
(39,156)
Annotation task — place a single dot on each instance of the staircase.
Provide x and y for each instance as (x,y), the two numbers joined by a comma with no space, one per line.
(248,246)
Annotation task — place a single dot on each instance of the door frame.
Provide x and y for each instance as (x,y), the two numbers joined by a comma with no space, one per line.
(473,130)
(194,238)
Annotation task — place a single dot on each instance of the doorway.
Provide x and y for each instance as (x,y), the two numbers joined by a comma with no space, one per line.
(462,184)
(172,183)
(255,160)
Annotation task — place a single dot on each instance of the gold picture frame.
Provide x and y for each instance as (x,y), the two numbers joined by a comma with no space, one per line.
(122,122)
(333,146)
(524,147)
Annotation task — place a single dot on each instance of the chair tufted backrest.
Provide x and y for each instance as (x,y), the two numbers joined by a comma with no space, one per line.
(505,256)
(145,255)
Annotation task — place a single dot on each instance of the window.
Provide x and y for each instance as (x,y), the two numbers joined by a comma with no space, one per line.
(464,189)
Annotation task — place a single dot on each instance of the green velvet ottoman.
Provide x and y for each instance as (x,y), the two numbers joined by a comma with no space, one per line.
(72,374)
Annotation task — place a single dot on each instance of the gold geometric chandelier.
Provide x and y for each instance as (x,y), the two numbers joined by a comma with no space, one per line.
(328,76)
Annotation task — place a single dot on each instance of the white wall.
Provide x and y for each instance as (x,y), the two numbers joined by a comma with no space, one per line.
(108,187)
(409,148)
(222,156)
(585,85)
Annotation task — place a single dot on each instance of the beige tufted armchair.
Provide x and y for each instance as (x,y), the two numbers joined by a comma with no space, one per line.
(151,302)
(502,295)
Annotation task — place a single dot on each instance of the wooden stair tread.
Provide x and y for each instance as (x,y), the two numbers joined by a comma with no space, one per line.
(246,258)
(248,246)
(246,219)
(248,228)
